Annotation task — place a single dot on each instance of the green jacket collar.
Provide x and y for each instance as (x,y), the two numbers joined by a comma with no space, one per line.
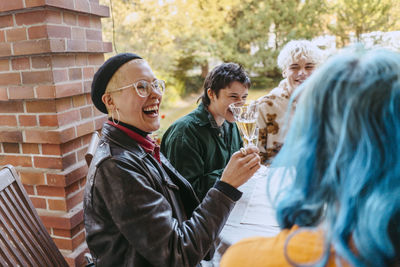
(204,117)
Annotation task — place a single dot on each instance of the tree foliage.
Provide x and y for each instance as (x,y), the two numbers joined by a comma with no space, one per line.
(178,37)
(355,17)
(257,30)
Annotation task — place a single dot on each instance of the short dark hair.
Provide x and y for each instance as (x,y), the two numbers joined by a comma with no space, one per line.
(221,77)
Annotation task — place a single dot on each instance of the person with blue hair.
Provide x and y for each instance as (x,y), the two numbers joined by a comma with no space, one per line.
(342,151)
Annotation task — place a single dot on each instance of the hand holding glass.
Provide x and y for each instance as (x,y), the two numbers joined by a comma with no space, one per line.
(246,116)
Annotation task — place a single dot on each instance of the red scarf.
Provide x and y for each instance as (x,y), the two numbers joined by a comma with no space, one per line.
(146,143)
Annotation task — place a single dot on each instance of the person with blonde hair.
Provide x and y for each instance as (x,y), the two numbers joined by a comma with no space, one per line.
(342,155)
(297,60)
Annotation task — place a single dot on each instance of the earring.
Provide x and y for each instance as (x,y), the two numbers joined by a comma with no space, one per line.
(112,116)
(117,114)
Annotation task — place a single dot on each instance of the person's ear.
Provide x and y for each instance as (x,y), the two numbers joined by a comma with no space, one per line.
(210,93)
(108,101)
(284,74)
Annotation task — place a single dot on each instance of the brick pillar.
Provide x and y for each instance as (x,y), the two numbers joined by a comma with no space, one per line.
(49,51)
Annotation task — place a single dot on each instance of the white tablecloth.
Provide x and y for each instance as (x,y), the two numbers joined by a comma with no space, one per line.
(253,215)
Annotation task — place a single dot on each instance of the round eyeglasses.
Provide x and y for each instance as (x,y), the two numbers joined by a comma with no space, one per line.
(144,88)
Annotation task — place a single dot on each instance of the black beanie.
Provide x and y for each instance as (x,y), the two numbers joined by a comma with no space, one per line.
(104,74)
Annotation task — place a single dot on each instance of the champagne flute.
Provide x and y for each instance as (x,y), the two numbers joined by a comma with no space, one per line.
(253,139)
(246,116)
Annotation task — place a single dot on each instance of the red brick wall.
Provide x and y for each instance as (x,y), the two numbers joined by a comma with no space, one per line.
(49,51)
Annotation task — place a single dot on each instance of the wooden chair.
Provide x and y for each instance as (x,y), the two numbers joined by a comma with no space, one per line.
(92,147)
(24,240)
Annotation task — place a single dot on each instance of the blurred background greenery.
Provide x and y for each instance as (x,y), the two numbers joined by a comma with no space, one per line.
(183,39)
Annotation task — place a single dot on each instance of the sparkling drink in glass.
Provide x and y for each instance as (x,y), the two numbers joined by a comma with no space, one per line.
(246,116)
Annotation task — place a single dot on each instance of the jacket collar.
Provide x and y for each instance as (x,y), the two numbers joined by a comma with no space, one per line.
(200,115)
(203,117)
(146,142)
(117,136)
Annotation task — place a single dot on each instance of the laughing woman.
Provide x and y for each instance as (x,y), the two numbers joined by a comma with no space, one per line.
(139,211)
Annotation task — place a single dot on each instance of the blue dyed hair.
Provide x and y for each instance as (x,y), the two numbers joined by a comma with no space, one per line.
(343,152)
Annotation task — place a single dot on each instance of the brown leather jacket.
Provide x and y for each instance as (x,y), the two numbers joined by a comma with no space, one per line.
(141,213)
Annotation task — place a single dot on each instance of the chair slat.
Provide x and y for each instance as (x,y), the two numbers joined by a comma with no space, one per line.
(6,257)
(34,223)
(24,241)
(19,223)
(11,240)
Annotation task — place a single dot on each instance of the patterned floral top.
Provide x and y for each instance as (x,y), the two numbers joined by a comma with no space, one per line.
(272,120)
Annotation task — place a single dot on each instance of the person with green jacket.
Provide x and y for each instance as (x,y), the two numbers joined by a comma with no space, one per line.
(200,144)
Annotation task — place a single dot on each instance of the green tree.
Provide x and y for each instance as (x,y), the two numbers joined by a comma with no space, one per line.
(173,36)
(360,16)
(259,29)
(179,36)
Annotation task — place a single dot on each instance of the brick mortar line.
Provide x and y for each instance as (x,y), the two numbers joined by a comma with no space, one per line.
(53,197)
(45,155)
(51,8)
(23,10)
(20,26)
(41,129)
(47,113)
(56,53)
(71,195)
(67,170)
(35,155)
(69,238)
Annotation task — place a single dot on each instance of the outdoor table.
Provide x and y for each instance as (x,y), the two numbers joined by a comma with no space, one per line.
(253,215)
